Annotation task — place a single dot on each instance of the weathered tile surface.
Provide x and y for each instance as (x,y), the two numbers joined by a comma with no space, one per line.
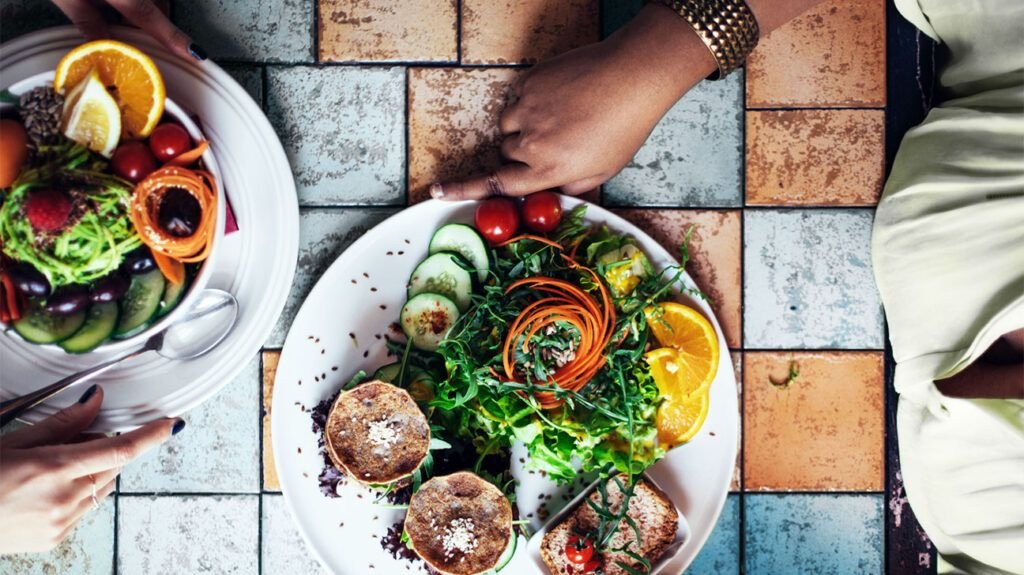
(737,473)
(217,452)
(89,550)
(284,550)
(270,479)
(18,17)
(714,251)
(525,31)
(453,123)
(180,534)
(693,158)
(815,157)
(250,77)
(323,236)
(721,553)
(252,30)
(808,281)
(342,131)
(813,534)
(388,30)
(823,431)
(832,55)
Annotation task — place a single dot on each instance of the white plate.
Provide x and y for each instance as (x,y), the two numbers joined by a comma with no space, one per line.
(344,533)
(255,264)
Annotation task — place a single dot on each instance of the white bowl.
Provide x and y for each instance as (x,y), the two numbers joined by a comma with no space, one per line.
(179,115)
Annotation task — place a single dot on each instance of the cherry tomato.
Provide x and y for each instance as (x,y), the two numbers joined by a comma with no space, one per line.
(542,211)
(169,141)
(497,219)
(133,161)
(579,550)
(592,565)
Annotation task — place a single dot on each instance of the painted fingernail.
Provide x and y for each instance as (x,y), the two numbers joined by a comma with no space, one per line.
(436,191)
(178,426)
(196,51)
(88,394)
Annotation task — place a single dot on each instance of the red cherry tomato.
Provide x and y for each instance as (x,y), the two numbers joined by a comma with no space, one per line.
(497,219)
(542,211)
(133,161)
(169,141)
(592,566)
(579,550)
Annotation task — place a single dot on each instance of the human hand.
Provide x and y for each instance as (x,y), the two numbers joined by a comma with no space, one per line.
(51,475)
(88,17)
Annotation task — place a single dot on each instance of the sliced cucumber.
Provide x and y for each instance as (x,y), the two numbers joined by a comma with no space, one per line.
(171,297)
(442,274)
(427,318)
(99,325)
(388,373)
(37,326)
(140,304)
(465,241)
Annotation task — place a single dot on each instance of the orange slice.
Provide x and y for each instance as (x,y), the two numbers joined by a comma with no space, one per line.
(679,421)
(129,74)
(684,329)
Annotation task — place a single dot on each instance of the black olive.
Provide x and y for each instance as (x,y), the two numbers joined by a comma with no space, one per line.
(109,288)
(29,281)
(139,261)
(67,300)
(179,213)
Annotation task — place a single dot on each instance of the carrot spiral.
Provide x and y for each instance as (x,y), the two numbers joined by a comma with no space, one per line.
(146,206)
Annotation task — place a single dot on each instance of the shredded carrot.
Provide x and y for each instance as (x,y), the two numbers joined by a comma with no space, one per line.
(540,239)
(10,310)
(190,157)
(146,206)
(172,269)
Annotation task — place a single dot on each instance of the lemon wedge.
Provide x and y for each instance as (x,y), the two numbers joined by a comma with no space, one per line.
(91,116)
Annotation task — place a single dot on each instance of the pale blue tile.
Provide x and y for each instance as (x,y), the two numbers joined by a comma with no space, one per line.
(693,158)
(721,554)
(249,77)
(808,281)
(344,131)
(616,13)
(217,452)
(324,234)
(284,550)
(176,534)
(251,30)
(791,533)
(89,550)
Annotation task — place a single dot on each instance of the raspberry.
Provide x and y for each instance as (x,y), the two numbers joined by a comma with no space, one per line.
(47,210)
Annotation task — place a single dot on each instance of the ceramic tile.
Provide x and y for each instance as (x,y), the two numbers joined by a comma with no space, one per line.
(525,31)
(380,31)
(822,431)
(251,30)
(714,251)
(815,157)
(18,17)
(323,235)
(694,156)
(453,123)
(89,550)
(217,452)
(270,479)
(808,280)
(831,56)
(616,13)
(181,534)
(249,77)
(342,129)
(283,550)
(737,474)
(721,553)
(813,534)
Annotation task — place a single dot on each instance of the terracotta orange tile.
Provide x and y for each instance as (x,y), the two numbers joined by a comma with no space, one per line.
(831,56)
(453,123)
(270,481)
(375,31)
(525,31)
(737,473)
(815,157)
(714,254)
(822,431)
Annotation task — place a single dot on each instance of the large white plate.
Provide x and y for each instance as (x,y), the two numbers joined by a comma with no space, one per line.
(361,294)
(255,264)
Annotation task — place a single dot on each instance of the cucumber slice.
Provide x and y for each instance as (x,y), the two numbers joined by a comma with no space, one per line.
(442,274)
(140,304)
(99,325)
(427,318)
(171,297)
(37,326)
(465,241)
(388,373)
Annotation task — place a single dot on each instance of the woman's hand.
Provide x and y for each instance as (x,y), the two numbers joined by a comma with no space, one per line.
(87,15)
(51,475)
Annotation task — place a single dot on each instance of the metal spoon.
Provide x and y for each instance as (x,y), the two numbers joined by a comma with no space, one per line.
(204,326)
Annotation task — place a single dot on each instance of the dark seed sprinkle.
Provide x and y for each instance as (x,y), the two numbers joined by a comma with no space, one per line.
(334,368)
(408,242)
(391,253)
(373,289)
(401,253)
(377,335)
(366,354)
(354,281)
(382,306)
(366,275)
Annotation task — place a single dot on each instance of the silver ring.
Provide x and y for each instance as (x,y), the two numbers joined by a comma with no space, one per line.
(95,501)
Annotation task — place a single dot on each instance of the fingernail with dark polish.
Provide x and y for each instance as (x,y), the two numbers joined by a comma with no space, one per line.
(197,51)
(178,426)
(436,191)
(88,394)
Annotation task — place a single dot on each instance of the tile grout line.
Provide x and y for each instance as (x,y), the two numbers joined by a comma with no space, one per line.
(458,32)
(405,130)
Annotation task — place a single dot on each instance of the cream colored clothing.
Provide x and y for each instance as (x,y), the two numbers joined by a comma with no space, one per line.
(948,252)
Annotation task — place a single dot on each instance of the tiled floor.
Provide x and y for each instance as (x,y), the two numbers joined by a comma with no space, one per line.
(777,167)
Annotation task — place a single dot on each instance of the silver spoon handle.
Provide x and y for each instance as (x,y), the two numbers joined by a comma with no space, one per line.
(12,408)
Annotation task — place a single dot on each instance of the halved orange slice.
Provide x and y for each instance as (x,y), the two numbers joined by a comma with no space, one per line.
(684,329)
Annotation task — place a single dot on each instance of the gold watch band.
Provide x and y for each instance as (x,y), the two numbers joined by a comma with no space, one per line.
(727,27)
